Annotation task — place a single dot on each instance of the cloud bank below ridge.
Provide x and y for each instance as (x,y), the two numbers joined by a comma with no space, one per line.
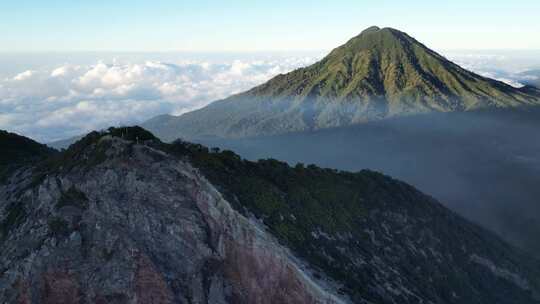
(64,100)
(69,100)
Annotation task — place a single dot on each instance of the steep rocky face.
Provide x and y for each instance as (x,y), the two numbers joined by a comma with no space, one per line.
(140,227)
(378,74)
(123,218)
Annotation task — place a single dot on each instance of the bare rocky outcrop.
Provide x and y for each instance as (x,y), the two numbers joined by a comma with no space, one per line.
(121,217)
(142,227)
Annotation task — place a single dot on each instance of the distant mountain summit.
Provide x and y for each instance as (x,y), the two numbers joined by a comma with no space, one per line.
(377,74)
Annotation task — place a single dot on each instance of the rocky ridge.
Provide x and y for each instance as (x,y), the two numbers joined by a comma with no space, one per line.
(122,218)
(141,227)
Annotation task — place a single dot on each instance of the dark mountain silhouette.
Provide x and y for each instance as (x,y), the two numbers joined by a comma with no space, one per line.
(18,150)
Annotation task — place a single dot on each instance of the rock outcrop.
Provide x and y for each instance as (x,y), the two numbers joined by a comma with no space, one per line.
(141,227)
(122,218)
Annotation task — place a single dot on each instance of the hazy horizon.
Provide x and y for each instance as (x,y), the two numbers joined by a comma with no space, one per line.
(53,96)
(70,67)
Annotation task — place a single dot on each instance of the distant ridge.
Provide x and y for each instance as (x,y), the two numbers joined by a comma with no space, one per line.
(379,73)
(17,150)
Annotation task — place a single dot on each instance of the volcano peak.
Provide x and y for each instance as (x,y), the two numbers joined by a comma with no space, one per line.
(378,74)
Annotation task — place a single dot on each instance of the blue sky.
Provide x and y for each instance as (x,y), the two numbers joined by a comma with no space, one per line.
(206,25)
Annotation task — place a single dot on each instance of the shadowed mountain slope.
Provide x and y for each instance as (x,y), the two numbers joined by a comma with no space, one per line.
(485,165)
(121,217)
(16,150)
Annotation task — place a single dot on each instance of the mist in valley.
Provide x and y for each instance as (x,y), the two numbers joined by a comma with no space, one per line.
(485,165)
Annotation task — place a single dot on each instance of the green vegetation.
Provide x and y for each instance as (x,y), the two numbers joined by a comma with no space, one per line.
(293,202)
(363,230)
(378,74)
(297,204)
(329,218)
(135,133)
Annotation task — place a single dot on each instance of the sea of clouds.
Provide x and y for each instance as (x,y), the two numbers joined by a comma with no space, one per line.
(55,101)
(69,100)
(516,68)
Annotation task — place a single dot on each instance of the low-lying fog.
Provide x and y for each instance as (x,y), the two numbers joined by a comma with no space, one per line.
(483,165)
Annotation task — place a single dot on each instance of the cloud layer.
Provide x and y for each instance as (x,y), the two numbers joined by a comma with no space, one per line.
(68,100)
(511,69)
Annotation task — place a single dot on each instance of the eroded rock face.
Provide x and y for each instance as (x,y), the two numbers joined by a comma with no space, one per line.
(118,221)
(141,227)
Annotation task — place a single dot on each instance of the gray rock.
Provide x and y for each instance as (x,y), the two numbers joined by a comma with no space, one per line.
(151,232)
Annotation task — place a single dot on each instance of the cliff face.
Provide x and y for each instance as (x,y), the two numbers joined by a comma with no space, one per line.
(123,218)
(141,227)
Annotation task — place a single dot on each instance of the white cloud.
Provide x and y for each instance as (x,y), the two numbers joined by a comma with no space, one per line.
(503,77)
(69,100)
(23,76)
(508,68)
(64,71)
(511,82)
(529,77)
